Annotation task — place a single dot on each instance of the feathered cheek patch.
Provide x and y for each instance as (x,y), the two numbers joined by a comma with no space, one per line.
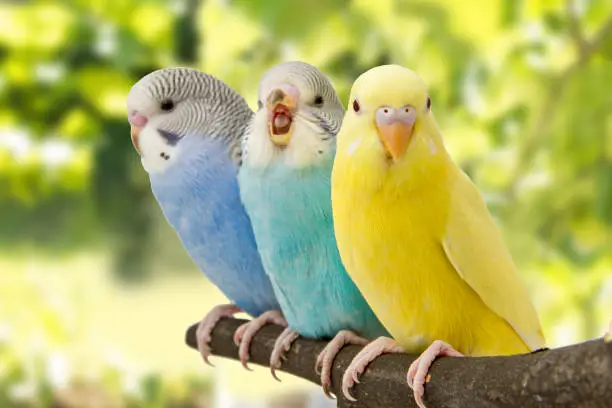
(157,148)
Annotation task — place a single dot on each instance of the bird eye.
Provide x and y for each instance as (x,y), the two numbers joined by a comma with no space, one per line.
(356,106)
(318,101)
(428,103)
(259,104)
(167,105)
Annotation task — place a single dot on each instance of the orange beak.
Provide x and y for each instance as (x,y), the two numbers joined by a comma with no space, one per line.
(395,137)
(135,132)
(137,123)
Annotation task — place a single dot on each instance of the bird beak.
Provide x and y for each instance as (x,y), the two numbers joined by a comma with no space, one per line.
(135,132)
(395,129)
(281,103)
(395,138)
(137,123)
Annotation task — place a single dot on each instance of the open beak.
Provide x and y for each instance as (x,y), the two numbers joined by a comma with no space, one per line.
(137,123)
(281,103)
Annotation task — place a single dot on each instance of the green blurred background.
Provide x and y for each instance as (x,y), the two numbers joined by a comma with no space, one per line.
(95,289)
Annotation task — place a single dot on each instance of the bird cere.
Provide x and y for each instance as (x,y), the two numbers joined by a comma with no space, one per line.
(353,226)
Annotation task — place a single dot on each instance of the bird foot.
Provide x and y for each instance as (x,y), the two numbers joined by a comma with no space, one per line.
(323,366)
(417,373)
(245,333)
(379,346)
(281,346)
(207,324)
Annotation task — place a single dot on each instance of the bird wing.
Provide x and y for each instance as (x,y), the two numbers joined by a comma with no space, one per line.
(476,249)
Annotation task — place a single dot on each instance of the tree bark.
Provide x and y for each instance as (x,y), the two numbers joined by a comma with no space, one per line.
(575,376)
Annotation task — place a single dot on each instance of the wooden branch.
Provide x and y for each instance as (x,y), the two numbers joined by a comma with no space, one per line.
(575,376)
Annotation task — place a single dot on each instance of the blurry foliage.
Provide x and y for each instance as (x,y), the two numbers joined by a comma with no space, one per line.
(46,357)
(521,90)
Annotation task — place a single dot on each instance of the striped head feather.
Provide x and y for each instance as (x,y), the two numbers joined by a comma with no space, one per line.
(298,118)
(170,105)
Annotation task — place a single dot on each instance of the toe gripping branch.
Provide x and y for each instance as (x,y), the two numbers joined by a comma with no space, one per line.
(575,376)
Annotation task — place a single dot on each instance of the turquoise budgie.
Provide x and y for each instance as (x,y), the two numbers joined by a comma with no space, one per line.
(285,186)
(187,127)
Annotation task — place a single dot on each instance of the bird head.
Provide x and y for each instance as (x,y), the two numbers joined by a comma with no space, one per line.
(298,117)
(170,106)
(392,102)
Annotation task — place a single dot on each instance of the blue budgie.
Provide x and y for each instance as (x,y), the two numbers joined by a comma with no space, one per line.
(187,127)
(284,182)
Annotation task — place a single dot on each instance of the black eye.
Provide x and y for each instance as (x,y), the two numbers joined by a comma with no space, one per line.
(356,106)
(259,104)
(318,101)
(167,105)
(428,103)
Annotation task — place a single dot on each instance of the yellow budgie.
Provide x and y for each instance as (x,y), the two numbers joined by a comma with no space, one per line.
(416,236)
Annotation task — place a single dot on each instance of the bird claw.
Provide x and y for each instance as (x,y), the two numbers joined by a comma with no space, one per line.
(206,355)
(325,382)
(244,360)
(318,364)
(325,360)
(346,391)
(239,333)
(243,351)
(281,346)
(273,371)
(327,392)
(245,333)
(207,325)
(419,369)
(374,349)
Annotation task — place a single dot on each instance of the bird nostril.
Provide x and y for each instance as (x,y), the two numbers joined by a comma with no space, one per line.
(137,119)
(284,93)
(276,95)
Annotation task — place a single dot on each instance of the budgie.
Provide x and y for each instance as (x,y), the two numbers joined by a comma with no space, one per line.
(187,127)
(416,236)
(285,187)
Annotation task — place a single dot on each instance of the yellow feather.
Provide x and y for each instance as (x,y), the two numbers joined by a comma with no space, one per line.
(477,252)
(417,238)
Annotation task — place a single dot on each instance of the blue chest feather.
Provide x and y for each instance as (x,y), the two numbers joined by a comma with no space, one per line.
(199,197)
(292,218)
